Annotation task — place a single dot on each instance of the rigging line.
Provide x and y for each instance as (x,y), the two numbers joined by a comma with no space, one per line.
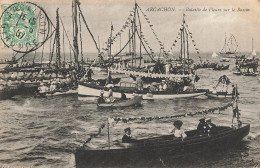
(52,52)
(145,47)
(63,35)
(124,46)
(88,28)
(155,35)
(67,35)
(34,47)
(43,44)
(80,36)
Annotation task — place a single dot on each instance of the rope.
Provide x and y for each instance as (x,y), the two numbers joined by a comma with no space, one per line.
(125,120)
(205,112)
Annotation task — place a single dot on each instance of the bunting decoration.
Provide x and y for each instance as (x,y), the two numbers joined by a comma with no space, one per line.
(126,120)
(204,113)
(151,26)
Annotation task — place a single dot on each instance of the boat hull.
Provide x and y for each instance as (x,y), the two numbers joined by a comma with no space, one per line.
(219,96)
(122,103)
(85,91)
(163,147)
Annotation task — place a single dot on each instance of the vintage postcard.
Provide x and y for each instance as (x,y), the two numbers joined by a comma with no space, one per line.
(129,83)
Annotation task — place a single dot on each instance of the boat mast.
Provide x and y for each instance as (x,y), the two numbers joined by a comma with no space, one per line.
(225,45)
(58,57)
(110,41)
(134,46)
(252,45)
(75,32)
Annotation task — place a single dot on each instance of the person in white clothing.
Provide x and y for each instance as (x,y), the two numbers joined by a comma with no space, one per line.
(177,131)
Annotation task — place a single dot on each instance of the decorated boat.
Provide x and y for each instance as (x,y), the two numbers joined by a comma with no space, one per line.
(222,86)
(88,89)
(135,101)
(163,146)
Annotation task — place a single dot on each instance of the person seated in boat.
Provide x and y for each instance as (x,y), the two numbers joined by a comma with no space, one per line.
(101,99)
(201,128)
(110,95)
(177,131)
(127,137)
(139,83)
(211,128)
(123,96)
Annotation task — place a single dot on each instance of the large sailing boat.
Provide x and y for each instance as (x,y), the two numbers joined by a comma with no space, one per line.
(172,84)
(230,48)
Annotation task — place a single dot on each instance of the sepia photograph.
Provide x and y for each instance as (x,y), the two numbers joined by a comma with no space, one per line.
(129,83)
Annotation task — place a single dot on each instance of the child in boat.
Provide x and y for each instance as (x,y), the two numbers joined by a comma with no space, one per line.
(177,131)
(127,137)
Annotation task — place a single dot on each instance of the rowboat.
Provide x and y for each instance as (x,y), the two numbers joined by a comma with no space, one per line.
(7,92)
(90,90)
(163,146)
(123,103)
(220,95)
(56,93)
(220,68)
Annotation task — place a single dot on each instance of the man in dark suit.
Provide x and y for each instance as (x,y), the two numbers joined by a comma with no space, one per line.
(127,137)
(201,128)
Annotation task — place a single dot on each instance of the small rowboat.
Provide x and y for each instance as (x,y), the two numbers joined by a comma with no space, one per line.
(221,95)
(221,68)
(163,146)
(123,103)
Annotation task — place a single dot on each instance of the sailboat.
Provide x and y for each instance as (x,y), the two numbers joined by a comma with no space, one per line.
(176,85)
(230,47)
(214,55)
(253,50)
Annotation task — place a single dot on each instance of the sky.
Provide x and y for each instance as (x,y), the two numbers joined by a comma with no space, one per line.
(208,27)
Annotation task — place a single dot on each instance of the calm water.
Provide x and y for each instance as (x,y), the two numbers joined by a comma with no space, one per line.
(44,132)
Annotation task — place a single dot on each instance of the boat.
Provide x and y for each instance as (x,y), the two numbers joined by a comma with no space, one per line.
(221,68)
(220,95)
(163,147)
(56,93)
(93,90)
(253,50)
(214,55)
(225,60)
(7,92)
(230,47)
(136,100)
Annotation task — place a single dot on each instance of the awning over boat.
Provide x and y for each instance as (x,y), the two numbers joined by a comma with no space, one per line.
(152,75)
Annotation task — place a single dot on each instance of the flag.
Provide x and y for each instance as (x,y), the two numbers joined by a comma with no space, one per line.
(112,27)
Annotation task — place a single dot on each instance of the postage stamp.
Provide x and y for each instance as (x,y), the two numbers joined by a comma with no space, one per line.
(19,25)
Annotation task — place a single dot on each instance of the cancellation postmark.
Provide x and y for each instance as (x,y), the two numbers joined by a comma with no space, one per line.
(24,26)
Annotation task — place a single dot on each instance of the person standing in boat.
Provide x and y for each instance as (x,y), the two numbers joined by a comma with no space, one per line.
(177,131)
(110,95)
(89,74)
(234,92)
(127,137)
(236,113)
